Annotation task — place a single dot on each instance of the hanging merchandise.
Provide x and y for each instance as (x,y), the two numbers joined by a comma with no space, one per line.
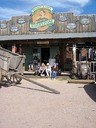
(91,53)
(14,48)
(83,54)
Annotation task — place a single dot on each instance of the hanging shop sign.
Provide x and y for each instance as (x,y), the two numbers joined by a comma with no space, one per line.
(43,42)
(71,26)
(85,21)
(3,25)
(42,19)
(21,21)
(14,29)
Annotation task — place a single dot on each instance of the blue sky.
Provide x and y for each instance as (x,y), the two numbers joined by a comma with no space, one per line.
(9,8)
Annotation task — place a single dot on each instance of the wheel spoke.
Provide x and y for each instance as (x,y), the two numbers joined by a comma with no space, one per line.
(13,78)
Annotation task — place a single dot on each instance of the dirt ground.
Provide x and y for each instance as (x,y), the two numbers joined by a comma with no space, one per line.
(29,106)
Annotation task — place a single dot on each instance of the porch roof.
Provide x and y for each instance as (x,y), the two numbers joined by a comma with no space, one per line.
(49,36)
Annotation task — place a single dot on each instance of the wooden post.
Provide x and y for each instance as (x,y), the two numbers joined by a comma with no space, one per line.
(62,55)
(74,54)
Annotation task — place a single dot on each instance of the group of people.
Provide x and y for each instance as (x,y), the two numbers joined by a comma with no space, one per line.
(46,70)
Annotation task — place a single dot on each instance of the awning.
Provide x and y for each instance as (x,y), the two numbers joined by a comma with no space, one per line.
(49,36)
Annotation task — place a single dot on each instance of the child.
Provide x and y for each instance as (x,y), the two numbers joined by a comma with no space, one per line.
(54,71)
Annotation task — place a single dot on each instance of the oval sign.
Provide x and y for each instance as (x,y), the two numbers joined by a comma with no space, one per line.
(71,26)
(14,29)
(85,21)
(21,21)
(62,18)
(3,25)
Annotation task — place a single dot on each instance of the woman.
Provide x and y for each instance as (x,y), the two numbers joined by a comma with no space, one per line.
(43,70)
(48,69)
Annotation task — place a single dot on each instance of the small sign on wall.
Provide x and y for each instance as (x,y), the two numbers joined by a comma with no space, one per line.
(14,29)
(85,21)
(21,21)
(3,25)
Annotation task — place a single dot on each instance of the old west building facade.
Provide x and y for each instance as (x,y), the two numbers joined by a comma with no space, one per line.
(46,35)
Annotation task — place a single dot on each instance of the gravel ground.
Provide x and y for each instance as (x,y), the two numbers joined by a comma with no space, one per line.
(29,106)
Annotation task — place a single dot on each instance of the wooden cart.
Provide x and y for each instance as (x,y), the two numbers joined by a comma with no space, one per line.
(10,65)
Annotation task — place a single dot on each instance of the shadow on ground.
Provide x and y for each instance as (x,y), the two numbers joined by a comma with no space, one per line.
(4,84)
(48,89)
(41,90)
(90,89)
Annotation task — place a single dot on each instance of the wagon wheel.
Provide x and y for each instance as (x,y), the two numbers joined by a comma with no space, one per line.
(13,78)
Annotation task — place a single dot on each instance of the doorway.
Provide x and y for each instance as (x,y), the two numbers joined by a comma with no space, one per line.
(45,55)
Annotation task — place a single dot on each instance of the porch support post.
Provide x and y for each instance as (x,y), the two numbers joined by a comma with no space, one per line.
(62,55)
(74,54)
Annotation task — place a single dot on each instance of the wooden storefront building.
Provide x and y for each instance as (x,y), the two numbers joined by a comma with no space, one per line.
(48,35)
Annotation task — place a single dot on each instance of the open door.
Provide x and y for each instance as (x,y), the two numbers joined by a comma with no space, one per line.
(45,55)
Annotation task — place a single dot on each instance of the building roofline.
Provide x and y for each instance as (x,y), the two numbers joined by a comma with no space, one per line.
(48,36)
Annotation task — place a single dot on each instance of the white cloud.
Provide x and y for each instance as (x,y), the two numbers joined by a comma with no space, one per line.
(76,10)
(7,13)
(81,3)
(75,6)
(58,3)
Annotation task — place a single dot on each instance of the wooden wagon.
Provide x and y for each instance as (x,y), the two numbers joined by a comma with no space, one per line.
(10,65)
